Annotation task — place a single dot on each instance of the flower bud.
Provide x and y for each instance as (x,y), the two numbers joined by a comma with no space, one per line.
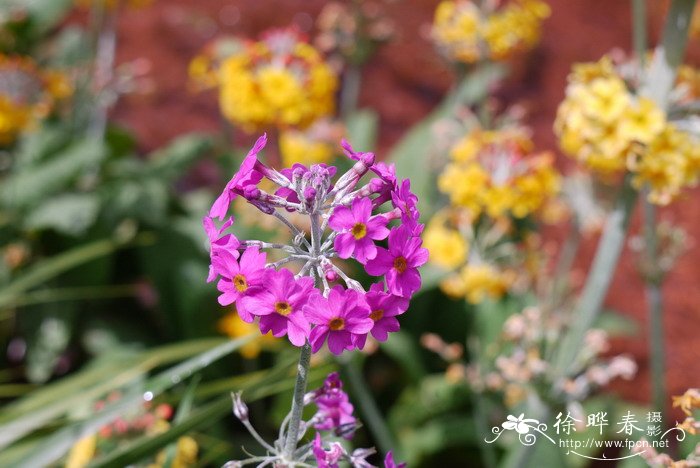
(240,409)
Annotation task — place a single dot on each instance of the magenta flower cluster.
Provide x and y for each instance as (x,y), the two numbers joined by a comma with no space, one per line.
(335,414)
(318,302)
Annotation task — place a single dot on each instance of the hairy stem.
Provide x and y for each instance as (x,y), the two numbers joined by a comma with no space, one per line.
(290,444)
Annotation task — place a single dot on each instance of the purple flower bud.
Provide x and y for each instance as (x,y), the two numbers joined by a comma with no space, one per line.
(240,409)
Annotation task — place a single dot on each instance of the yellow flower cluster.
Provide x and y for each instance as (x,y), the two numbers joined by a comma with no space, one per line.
(471,277)
(27,94)
(477,282)
(280,81)
(314,145)
(468,33)
(494,172)
(610,130)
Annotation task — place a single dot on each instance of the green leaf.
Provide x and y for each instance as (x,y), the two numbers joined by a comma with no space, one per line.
(171,161)
(273,382)
(403,349)
(362,129)
(70,213)
(411,153)
(34,184)
(616,324)
(57,444)
(54,266)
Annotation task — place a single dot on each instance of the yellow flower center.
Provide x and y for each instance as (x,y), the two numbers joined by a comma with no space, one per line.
(400,264)
(337,324)
(283,308)
(376,314)
(359,231)
(240,283)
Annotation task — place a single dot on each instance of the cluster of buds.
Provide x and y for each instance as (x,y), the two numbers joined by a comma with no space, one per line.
(310,304)
(333,418)
(27,94)
(280,80)
(468,31)
(352,30)
(518,360)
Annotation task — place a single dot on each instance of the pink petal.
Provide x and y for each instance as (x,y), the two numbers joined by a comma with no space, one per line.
(341,219)
(344,244)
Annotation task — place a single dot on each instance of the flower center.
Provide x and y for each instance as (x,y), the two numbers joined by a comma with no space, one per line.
(337,324)
(376,314)
(359,230)
(240,283)
(283,308)
(400,264)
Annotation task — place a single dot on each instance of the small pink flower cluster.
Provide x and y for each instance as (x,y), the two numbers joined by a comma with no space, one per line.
(335,413)
(312,305)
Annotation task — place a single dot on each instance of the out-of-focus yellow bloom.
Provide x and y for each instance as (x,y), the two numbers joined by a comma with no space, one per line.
(687,402)
(491,172)
(278,81)
(314,145)
(476,282)
(82,452)
(468,33)
(27,94)
(610,130)
(185,455)
(447,247)
(232,325)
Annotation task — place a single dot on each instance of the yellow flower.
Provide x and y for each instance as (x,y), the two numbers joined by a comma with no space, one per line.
(232,325)
(468,33)
(314,145)
(492,172)
(447,247)
(278,81)
(82,452)
(27,94)
(666,165)
(481,281)
(688,401)
(642,122)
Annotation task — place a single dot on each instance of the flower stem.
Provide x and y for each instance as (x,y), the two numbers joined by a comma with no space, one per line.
(599,277)
(368,406)
(652,279)
(290,444)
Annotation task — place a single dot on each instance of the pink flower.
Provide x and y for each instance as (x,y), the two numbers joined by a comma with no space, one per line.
(334,408)
(384,308)
(246,178)
(219,241)
(390,463)
(400,262)
(327,459)
(358,230)
(240,279)
(280,305)
(407,202)
(342,318)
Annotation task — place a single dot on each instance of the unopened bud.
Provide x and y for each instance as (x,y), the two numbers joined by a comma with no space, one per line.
(240,409)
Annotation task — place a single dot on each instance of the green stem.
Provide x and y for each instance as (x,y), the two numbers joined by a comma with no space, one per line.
(290,444)
(350,93)
(371,414)
(599,278)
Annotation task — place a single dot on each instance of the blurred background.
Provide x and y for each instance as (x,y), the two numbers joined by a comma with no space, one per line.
(103,280)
